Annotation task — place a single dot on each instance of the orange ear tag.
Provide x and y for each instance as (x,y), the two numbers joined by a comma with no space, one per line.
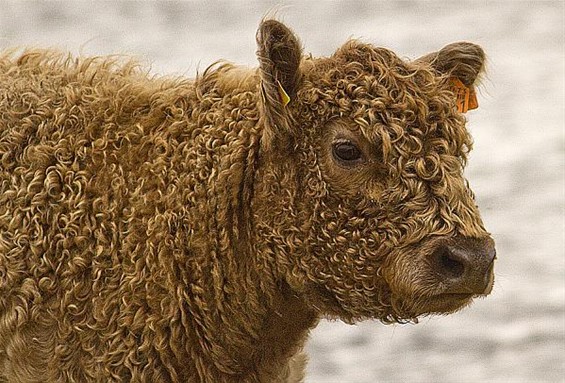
(466,98)
(285,98)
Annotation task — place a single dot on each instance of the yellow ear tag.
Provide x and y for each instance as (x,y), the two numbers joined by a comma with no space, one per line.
(466,98)
(285,98)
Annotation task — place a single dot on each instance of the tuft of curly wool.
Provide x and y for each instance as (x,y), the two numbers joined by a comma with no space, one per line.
(172,230)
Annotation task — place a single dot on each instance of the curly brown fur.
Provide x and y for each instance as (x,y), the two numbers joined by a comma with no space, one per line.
(173,230)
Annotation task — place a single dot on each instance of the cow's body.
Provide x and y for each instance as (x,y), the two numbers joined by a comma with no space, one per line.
(195,230)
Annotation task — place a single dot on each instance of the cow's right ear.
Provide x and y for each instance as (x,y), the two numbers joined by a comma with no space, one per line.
(462,60)
(463,63)
(279,53)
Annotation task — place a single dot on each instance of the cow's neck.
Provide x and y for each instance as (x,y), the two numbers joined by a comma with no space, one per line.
(248,321)
(252,329)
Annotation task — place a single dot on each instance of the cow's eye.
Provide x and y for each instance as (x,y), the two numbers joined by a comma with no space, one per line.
(346,152)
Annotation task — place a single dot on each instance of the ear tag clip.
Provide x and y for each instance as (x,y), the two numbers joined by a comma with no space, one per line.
(466,98)
(285,98)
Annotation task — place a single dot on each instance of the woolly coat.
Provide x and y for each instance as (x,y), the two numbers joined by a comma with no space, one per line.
(120,197)
(173,230)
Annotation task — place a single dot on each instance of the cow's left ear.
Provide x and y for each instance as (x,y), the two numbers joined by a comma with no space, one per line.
(279,53)
(463,63)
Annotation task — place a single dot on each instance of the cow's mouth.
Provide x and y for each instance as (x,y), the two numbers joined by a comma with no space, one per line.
(446,303)
(455,296)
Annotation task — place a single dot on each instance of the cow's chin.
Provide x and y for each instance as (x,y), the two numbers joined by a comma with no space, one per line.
(392,309)
(410,309)
(441,304)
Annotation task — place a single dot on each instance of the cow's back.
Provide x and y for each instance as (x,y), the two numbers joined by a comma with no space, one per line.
(86,152)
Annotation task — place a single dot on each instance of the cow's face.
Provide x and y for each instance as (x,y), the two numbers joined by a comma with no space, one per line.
(374,149)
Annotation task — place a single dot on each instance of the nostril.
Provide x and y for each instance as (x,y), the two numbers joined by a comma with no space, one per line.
(453,266)
(464,265)
(450,264)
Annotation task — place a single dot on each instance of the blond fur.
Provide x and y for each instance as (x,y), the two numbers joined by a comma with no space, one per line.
(194,230)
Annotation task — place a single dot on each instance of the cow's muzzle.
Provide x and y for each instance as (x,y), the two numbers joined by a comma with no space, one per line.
(465,265)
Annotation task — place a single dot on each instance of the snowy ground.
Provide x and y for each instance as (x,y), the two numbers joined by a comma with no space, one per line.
(516,170)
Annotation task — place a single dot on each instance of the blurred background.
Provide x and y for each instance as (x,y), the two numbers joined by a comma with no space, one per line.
(517,168)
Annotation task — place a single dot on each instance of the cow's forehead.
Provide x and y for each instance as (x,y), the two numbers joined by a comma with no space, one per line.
(366,72)
(375,84)
(386,96)
(376,61)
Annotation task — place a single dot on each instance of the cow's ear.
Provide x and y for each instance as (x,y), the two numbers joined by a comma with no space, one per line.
(463,63)
(279,53)
(462,60)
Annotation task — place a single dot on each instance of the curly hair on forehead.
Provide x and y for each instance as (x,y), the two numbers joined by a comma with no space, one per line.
(390,100)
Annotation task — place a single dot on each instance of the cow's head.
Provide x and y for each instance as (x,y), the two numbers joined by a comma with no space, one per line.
(368,213)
